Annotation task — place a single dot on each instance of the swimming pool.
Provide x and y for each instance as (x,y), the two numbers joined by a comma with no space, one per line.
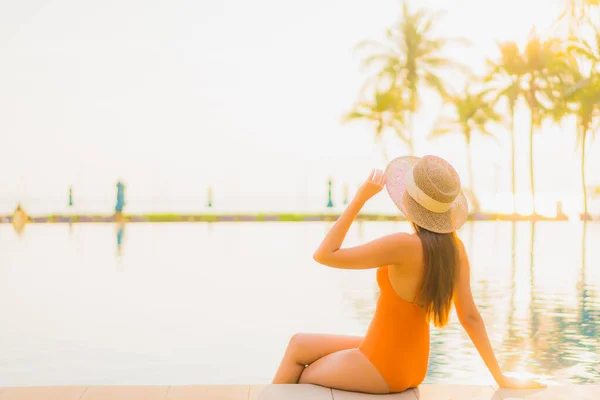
(217,303)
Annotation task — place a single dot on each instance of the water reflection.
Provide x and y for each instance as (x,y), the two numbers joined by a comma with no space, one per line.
(560,342)
(511,359)
(120,237)
(588,315)
(564,337)
(534,322)
(537,288)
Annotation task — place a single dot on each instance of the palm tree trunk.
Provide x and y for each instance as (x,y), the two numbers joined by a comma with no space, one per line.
(531,170)
(384,153)
(379,138)
(532,314)
(411,111)
(583,185)
(411,144)
(513,157)
(411,147)
(470,168)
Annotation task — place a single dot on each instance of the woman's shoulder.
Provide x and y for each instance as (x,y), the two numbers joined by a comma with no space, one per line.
(404,239)
(407,247)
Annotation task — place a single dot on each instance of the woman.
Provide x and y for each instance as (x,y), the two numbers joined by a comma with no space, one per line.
(419,276)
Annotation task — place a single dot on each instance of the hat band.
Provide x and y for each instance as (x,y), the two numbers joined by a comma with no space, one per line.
(421,197)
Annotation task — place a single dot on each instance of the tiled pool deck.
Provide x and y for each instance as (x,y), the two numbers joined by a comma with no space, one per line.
(291,392)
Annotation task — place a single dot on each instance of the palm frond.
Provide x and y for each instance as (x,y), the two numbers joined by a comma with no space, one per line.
(385,58)
(485,132)
(574,90)
(443,131)
(354,115)
(444,125)
(373,45)
(436,83)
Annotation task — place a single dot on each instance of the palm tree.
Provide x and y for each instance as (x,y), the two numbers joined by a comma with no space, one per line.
(534,74)
(544,63)
(583,99)
(386,111)
(470,112)
(409,59)
(505,77)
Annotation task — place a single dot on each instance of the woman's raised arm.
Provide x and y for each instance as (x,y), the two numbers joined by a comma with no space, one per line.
(380,252)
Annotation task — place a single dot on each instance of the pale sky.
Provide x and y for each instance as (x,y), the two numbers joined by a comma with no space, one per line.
(244,95)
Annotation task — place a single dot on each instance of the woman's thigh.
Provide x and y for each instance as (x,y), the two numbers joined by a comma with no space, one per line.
(308,348)
(346,370)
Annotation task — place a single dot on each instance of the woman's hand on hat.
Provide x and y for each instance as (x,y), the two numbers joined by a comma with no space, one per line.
(373,185)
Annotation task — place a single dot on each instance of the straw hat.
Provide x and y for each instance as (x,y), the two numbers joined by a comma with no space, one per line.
(427,191)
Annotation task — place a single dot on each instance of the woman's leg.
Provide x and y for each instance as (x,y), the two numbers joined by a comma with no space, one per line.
(304,349)
(346,370)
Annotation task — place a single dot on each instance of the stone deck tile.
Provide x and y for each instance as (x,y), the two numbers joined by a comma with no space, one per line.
(213,392)
(42,392)
(125,393)
(289,392)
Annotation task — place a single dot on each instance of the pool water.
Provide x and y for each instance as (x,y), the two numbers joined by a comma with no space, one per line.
(217,303)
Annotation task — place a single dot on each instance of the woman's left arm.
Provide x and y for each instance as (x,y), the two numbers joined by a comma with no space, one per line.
(380,252)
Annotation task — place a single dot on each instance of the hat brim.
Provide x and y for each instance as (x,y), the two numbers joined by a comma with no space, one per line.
(446,222)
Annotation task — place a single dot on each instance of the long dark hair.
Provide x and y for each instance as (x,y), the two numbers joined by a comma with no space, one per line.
(441,258)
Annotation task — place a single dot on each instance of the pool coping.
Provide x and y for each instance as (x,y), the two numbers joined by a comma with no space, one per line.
(291,392)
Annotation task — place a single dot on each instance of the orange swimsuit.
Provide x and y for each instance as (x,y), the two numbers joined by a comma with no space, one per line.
(397,342)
